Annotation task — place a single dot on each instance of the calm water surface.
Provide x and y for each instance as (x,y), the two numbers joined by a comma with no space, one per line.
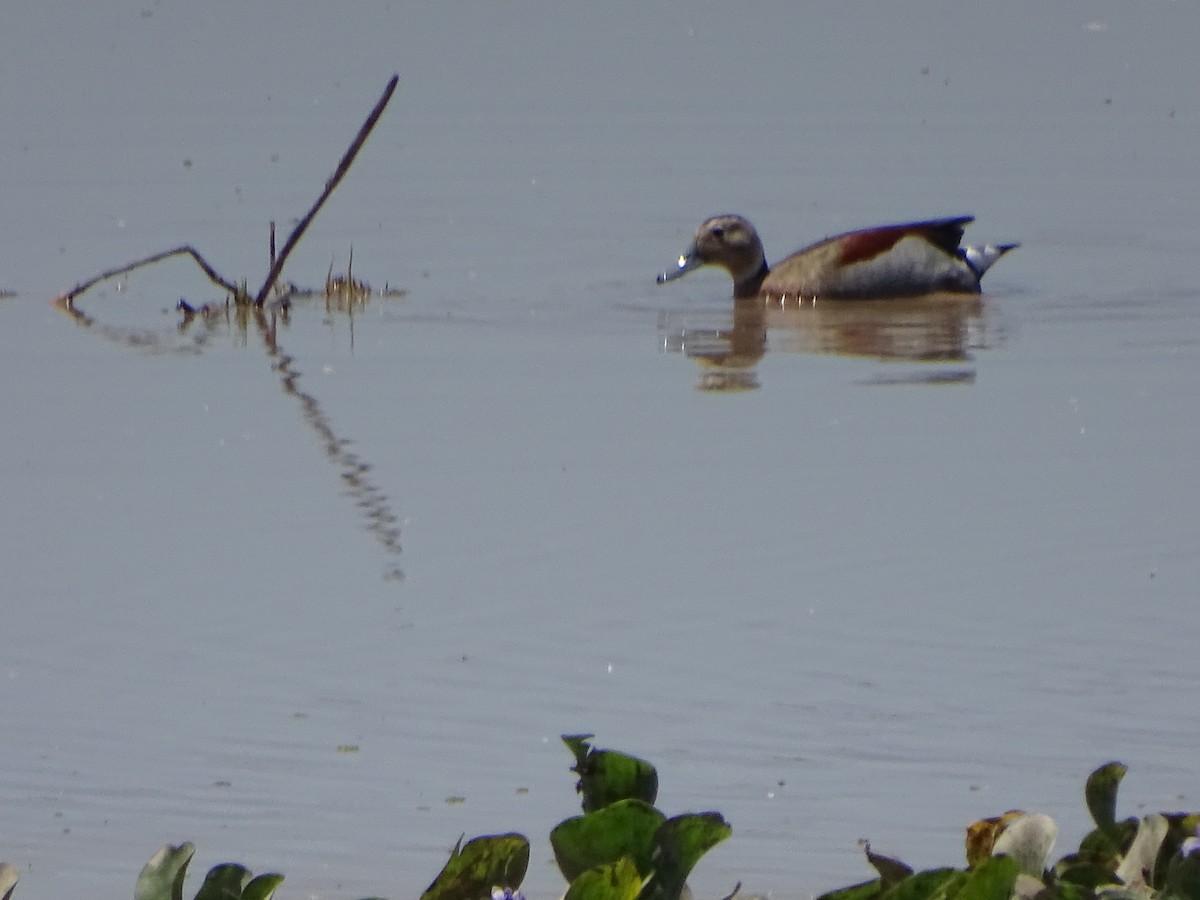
(928,563)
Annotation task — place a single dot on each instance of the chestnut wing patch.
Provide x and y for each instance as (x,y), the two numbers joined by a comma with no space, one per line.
(945,234)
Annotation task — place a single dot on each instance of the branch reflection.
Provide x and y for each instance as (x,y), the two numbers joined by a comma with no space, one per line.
(195,330)
(373,504)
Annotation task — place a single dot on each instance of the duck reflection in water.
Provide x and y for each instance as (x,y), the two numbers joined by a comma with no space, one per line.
(898,292)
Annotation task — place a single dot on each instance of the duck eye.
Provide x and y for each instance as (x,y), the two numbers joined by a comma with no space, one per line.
(718,231)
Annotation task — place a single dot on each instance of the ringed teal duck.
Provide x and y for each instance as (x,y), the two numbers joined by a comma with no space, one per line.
(887,261)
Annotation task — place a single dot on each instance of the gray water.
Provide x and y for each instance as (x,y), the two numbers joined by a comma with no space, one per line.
(287,600)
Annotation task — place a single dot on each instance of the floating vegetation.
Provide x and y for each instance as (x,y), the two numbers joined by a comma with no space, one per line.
(482,867)
(341,293)
(623,848)
(1155,857)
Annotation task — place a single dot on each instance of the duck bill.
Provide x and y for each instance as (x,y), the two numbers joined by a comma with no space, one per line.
(688,261)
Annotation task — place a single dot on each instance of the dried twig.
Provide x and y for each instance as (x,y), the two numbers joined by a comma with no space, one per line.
(68,298)
(330,186)
(239,293)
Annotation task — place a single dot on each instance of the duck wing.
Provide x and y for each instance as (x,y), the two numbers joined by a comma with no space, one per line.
(888,260)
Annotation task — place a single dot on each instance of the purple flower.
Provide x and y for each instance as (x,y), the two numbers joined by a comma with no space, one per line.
(505,893)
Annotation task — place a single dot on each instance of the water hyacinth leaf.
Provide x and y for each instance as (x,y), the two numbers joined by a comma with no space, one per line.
(497,860)
(262,887)
(162,877)
(609,777)
(625,828)
(1104,848)
(9,876)
(224,882)
(606,776)
(990,880)
(932,884)
(679,844)
(1183,877)
(1137,868)
(1082,871)
(578,745)
(864,891)
(1062,890)
(891,871)
(1181,827)
(1028,839)
(614,881)
(1100,792)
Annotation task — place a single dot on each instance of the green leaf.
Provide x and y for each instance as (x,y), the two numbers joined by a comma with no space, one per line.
(578,745)
(486,862)
(992,879)
(162,877)
(224,882)
(1183,877)
(678,845)
(1082,871)
(1064,890)
(1103,849)
(865,891)
(606,776)
(9,876)
(613,881)
(1101,795)
(891,871)
(262,887)
(1183,825)
(625,828)
(932,884)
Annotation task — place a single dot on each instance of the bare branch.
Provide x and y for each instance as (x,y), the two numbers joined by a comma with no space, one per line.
(68,298)
(343,167)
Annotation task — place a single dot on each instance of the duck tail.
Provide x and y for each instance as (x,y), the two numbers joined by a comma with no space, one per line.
(980,259)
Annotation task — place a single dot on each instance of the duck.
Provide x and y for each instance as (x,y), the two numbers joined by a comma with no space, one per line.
(906,260)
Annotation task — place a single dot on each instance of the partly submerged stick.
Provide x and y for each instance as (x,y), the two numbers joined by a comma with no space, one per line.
(67,299)
(330,186)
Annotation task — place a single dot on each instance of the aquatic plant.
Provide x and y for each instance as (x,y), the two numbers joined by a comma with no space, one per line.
(623,848)
(162,878)
(488,866)
(1155,857)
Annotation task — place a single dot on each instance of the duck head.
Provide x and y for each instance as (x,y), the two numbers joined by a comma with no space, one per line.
(729,242)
